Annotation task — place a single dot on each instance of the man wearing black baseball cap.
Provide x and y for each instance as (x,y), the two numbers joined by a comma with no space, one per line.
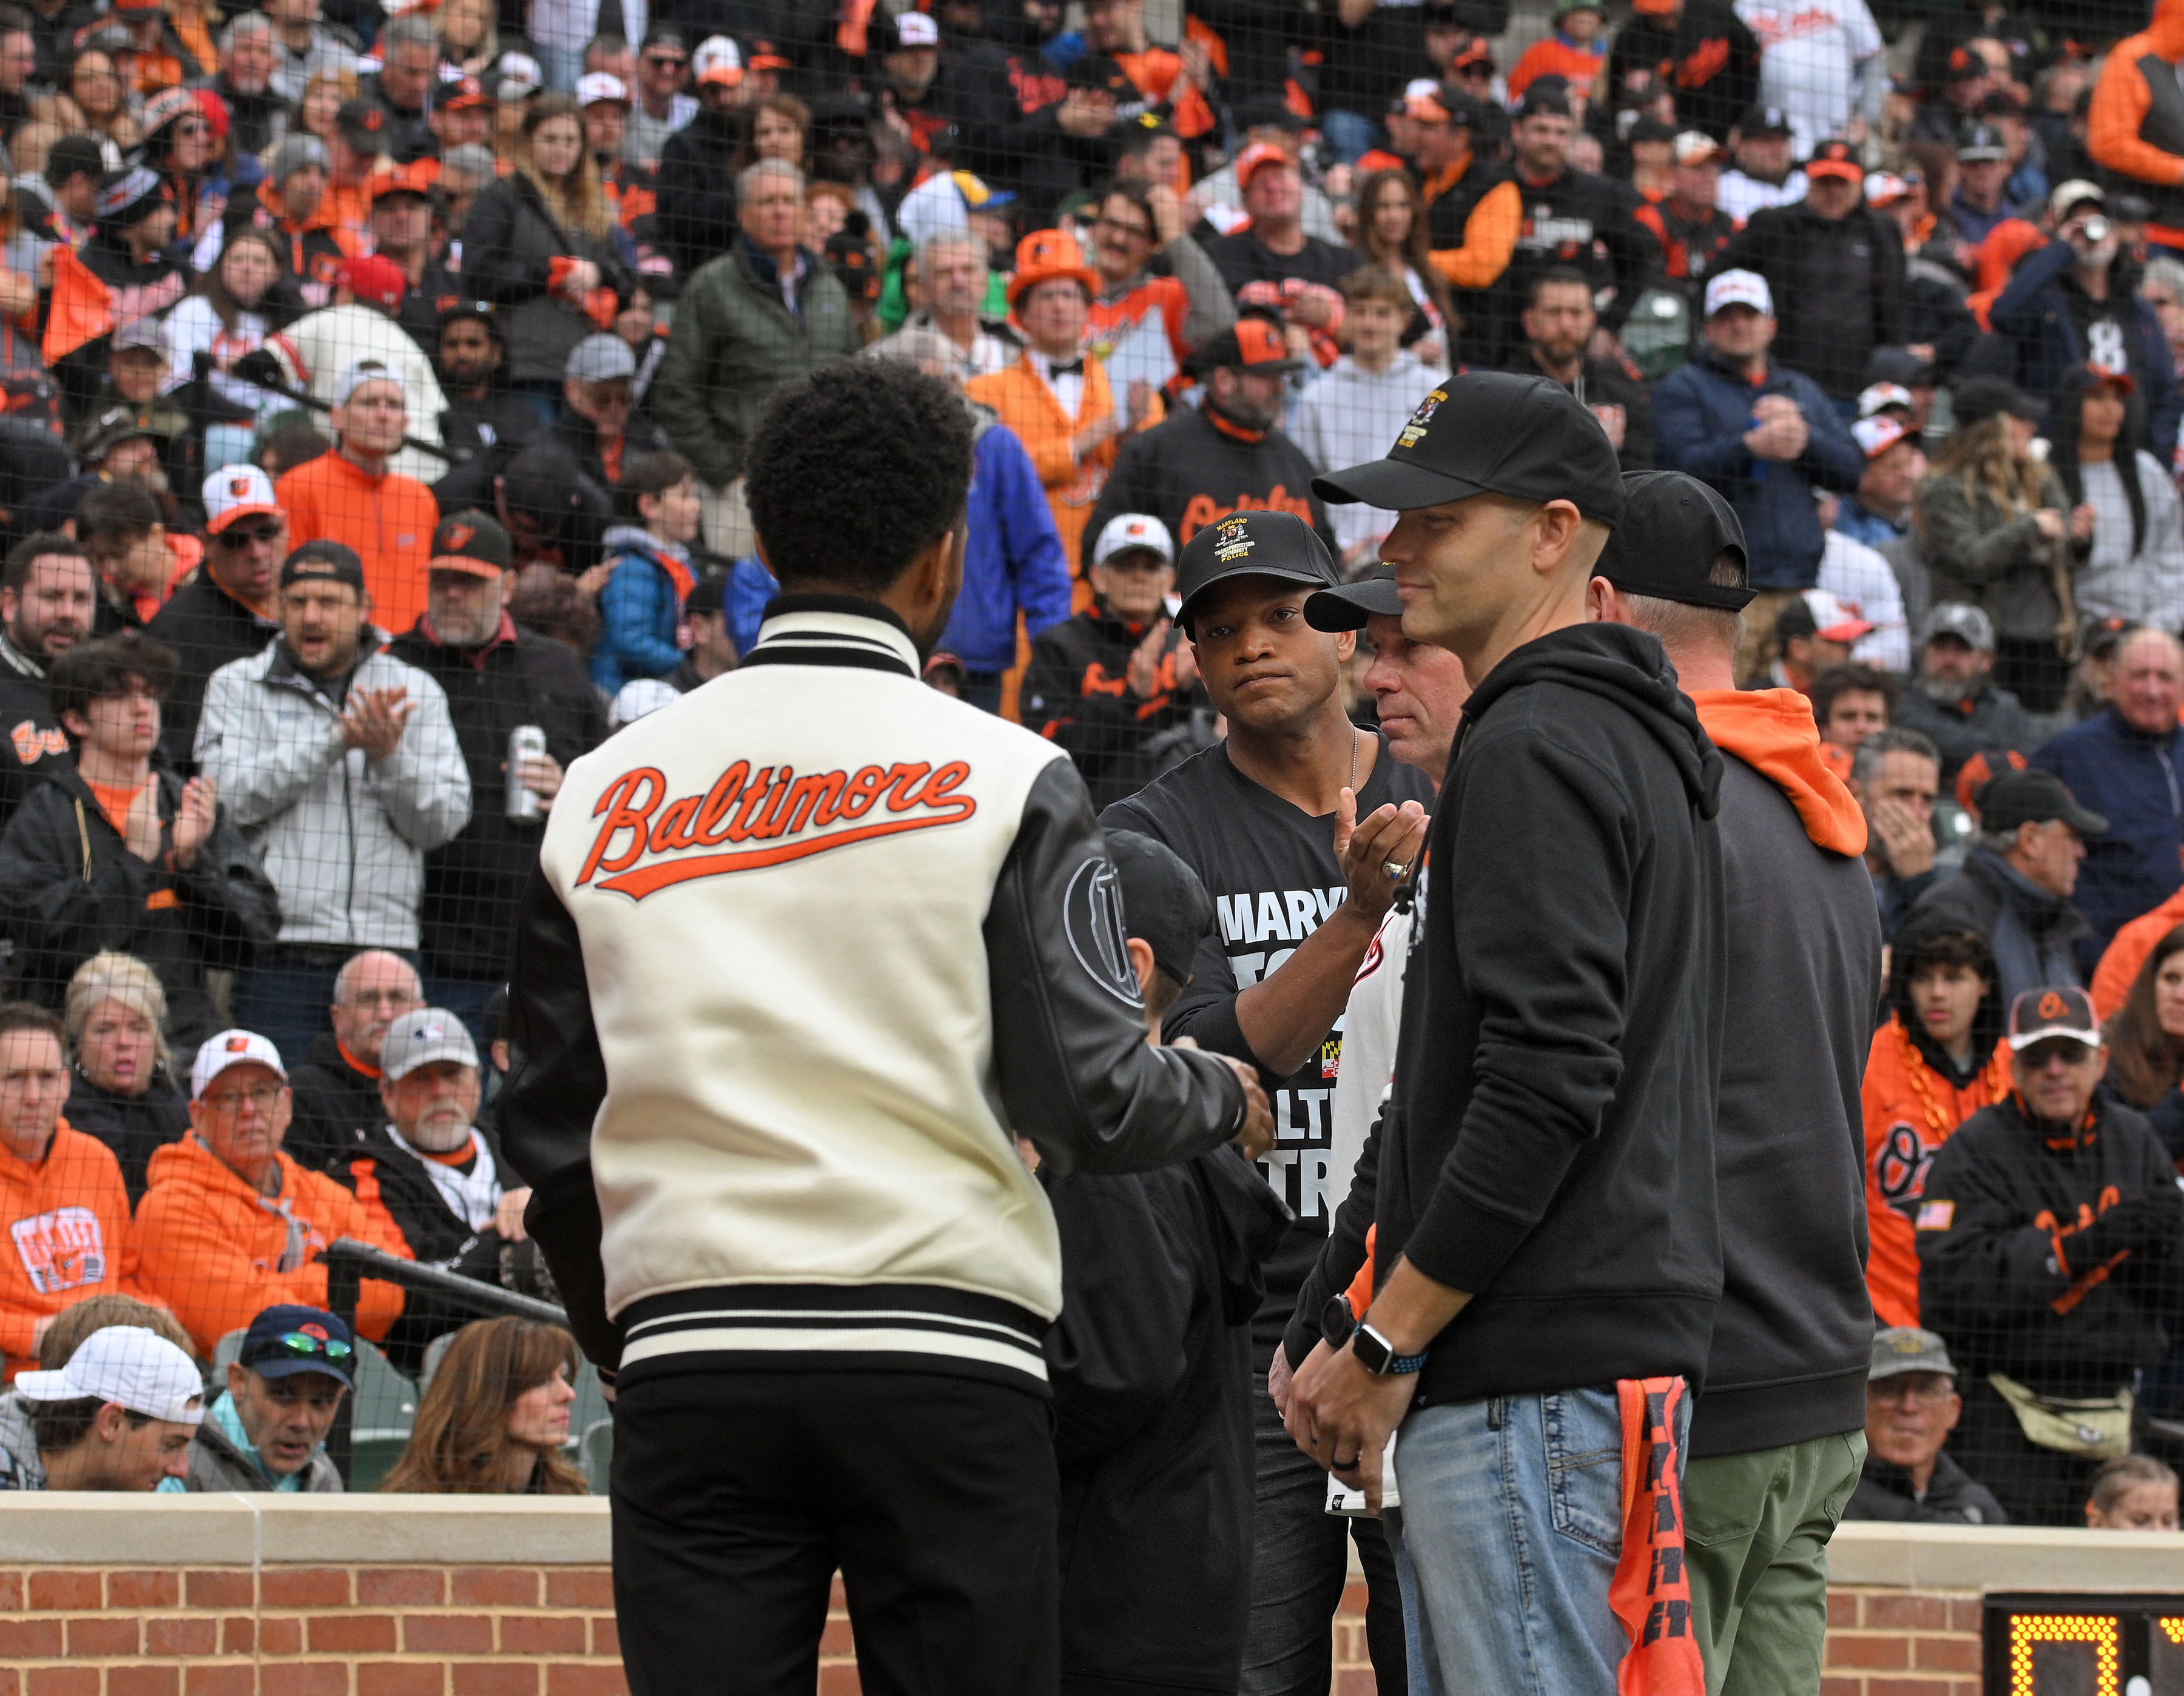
(268,1431)
(497,676)
(2015,887)
(1302,827)
(2048,1237)
(1775,1445)
(1152,1266)
(1547,1152)
(1227,454)
(712,650)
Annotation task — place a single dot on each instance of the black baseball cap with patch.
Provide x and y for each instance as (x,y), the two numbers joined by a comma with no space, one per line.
(1491,432)
(1164,904)
(1252,544)
(1349,606)
(1673,529)
(323,562)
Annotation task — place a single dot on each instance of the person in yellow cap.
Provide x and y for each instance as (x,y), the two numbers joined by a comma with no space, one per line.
(1056,397)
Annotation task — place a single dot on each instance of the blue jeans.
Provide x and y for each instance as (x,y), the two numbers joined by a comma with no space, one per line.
(1349,135)
(1511,1524)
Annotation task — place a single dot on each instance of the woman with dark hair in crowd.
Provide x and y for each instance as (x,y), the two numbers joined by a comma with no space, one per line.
(779,128)
(1936,1060)
(178,141)
(1390,230)
(121,1087)
(94,102)
(1997,529)
(540,244)
(2096,435)
(234,307)
(2146,1042)
(495,1419)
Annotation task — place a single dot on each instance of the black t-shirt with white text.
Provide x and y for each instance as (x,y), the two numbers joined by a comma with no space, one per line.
(1272,871)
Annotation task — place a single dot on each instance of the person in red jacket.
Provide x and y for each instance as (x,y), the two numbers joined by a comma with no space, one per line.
(1936,1060)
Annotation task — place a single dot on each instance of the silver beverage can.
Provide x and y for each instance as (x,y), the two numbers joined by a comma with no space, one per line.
(525,742)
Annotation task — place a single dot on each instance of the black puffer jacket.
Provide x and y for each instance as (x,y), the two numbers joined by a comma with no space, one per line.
(69,888)
(511,241)
(696,219)
(132,1125)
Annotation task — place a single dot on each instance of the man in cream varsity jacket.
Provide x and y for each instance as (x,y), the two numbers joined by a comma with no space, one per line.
(804,950)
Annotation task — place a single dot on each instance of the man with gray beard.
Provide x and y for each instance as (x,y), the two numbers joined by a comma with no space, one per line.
(1954,702)
(496,677)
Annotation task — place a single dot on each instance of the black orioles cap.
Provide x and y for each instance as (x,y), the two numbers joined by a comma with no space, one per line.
(1349,605)
(1673,529)
(324,562)
(1258,543)
(1491,432)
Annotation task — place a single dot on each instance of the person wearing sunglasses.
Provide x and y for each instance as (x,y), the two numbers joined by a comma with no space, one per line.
(663,69)
(227,608)
(2047,1237)
(268,1431)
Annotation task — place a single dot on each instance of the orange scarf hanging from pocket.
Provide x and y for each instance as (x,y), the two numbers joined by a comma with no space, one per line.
(1650,1591)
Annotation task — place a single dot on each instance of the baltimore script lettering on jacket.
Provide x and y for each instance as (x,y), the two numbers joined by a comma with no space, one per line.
(791,816)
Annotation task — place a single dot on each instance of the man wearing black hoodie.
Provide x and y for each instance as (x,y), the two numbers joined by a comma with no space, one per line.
(1150,1363)
(1778,1438)
(1547,1262)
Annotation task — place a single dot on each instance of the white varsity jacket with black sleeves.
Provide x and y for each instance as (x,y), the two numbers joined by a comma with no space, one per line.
(802,951)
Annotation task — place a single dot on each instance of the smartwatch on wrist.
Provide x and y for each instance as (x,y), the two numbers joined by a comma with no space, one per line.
(1378,1356)
(1336,1321)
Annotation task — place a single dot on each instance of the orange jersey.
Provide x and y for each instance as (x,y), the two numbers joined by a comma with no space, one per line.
(1910,1110)
(1577,63)
(1110,320)
(212,1247)
(69,1236)
(388,519)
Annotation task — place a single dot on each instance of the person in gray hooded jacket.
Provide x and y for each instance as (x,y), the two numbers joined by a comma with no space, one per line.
(269,1431)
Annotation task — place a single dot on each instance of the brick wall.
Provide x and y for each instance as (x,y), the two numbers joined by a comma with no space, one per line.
(325,1630)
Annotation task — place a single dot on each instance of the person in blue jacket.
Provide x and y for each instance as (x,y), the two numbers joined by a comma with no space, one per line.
(1763,435)
(2076,302)
(1013,561)
(656,509)
(2126,763)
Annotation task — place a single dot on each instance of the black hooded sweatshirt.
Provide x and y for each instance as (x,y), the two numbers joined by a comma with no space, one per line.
(1549,1145)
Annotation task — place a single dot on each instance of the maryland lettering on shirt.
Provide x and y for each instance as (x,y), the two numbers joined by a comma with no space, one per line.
(60,1250)
(647,843)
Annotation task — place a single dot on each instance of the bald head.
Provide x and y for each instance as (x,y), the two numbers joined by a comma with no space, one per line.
(2149,681)
(371,991)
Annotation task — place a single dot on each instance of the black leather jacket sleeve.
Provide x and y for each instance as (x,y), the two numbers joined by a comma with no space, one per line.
(557,1077)
(1075,1073)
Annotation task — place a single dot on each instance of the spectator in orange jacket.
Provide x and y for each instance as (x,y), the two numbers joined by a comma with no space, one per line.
(1936,1061)
(62,1202)
(2135,126)
(1056,396)
(2119,966)
(229,1225)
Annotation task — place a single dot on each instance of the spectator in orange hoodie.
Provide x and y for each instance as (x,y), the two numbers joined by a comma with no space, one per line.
(229,1225)
(2119,966)
(1936,1061)
(2135,127)
(62,1202)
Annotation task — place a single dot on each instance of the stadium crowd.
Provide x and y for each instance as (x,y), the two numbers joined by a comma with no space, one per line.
(378,395)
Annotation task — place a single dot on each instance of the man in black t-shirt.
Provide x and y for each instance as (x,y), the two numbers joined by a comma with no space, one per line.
(1301,826)
(1272,248)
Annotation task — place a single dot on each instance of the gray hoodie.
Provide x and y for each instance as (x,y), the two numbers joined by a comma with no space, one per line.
(21,1466)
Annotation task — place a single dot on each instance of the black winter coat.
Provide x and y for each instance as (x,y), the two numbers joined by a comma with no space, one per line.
(37,746)
(205,627)
(1189,471)
(70,889)
(696,219)
(133,1126)
(1997,1275)
(509,244)
(473,883)
(337,1109)
(1838,288)
(1954,1496)
(1150,1363)
(1075,693)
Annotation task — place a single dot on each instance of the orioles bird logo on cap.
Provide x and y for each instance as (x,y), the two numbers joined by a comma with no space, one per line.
(459,535)
(238,486)
(2052,1006)
(313,1328)
(237,1045)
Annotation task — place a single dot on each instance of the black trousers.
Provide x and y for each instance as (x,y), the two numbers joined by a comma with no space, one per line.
(737,1495)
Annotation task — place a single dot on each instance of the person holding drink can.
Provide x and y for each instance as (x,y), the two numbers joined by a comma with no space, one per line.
(523,709)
